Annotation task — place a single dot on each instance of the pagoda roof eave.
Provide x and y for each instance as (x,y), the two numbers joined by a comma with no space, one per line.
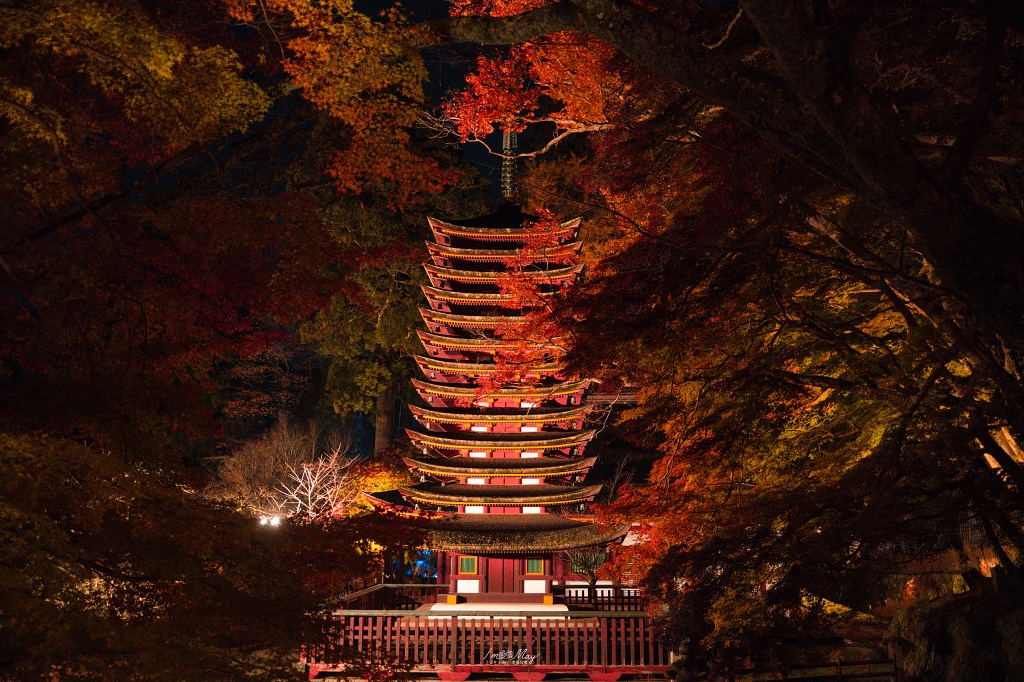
(463,296)
(393,502)
(542,392)
(456,367)
(492,276)
(469,320)
(495,233)
(524,542)
(500,495)
(456,343)
(541,416)
(500,254)
(514,442)
(467,466)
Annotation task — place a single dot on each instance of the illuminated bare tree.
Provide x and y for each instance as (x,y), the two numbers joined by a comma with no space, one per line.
(266,476)
(319,490)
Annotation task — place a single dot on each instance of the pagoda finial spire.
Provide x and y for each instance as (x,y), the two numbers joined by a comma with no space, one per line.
(509,146)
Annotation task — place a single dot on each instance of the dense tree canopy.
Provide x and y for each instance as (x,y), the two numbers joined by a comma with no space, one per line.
(803,224)
(170,221)
(809,219)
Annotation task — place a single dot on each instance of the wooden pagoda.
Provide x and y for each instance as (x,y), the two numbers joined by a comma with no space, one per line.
(502,472)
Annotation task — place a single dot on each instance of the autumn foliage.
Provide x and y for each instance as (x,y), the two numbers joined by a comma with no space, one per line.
(804,263)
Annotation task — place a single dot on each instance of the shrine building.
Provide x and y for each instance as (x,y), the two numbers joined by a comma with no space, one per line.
(502,473)
(503,491)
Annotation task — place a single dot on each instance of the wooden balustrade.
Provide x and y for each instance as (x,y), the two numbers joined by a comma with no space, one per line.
(606,598)
(539,642)
(393,597)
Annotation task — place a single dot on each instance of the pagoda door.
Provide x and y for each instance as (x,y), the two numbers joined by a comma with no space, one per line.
(500,576)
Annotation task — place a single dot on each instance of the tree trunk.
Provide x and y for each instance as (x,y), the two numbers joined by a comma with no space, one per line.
(384,426)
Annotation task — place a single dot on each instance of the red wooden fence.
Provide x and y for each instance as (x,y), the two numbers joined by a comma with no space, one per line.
(584,641)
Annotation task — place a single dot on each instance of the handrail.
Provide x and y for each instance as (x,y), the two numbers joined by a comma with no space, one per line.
(363,592)
(381,586)
(497,614)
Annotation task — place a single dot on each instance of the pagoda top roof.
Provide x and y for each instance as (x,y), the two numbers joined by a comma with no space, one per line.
(503,441)
(509,416)
(471,392)
(507,215)
(500,495)
(500,466)
(508,222)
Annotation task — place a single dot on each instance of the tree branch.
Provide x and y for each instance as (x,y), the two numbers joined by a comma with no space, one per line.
(54,139)
(816,112)
(244,148)
(986,93)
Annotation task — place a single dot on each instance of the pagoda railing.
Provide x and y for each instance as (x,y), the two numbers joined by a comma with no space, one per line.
(602,598)
(393,597)
(455,645)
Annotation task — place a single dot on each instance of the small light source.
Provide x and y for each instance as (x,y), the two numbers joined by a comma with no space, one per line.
(263,520)
(526,404)
(477,454)
(476,481)
(275,520)
(478,428)
(530,455)
(483,403)
(474,509)
(270,520)
(531,481)
(531,510)
(528,429)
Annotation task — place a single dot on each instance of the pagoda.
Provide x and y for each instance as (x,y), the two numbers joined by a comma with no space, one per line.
(502,470)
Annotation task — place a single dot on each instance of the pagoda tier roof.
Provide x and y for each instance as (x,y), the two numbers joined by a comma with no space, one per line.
(477,368)
(436,272)
(499,495)
(469,321)
(496,234)
(554,440)
(500,533)
(510,534)
(473,392)
(500,466)
(472,298)
(500,255)
(482,345)
(511,416)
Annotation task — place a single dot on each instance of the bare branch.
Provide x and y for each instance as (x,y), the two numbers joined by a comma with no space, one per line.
(445,126)
(728,32)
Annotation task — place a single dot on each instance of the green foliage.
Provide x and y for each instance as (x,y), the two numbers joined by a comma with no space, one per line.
(368,328)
